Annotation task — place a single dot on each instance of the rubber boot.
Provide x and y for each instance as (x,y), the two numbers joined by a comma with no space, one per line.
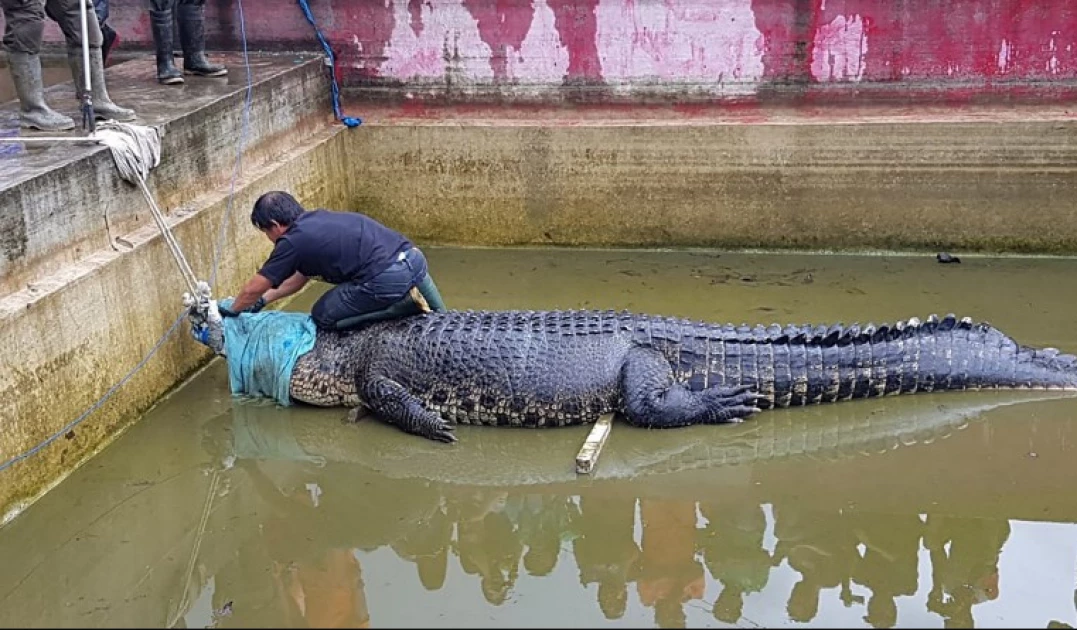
(111,39)
(167,73)
(430,293)
(193,41)
(403,307)
(103,107)
(34,112)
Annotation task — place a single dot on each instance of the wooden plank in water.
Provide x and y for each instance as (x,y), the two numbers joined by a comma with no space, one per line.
(592,446)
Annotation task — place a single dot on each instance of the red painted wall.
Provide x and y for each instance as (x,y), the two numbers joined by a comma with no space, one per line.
(683,48)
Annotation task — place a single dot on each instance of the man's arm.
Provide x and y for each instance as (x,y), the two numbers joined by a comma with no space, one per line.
(249,294)
(294,283)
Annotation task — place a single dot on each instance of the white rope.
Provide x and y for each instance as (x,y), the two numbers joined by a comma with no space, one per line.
(136,150)
(199,534)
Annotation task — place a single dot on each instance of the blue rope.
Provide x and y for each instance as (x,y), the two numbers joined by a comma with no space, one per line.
(347,120)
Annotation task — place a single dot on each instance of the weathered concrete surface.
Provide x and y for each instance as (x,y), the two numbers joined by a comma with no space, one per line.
(59,203)
(88,323)
(866,178)
(701,49)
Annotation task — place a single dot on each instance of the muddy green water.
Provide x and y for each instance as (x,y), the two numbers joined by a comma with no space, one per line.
(943,509)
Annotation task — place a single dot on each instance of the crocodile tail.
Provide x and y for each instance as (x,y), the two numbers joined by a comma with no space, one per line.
(802,365)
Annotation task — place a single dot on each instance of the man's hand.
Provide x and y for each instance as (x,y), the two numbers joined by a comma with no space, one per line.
(224,307)
(249,295)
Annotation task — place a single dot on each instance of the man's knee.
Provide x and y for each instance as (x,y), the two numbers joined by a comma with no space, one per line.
(24,26)
(326,309)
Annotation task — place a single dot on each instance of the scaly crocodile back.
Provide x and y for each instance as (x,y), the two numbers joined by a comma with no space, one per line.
(546,368)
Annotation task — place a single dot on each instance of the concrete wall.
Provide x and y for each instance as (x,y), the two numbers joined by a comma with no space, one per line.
(70,200)
(86,324)
(995,181)
(826,49)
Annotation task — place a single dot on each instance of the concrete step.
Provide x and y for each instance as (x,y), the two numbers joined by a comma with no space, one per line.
(86,299)
(60,203)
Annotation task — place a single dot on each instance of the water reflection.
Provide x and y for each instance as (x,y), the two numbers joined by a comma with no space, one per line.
(926,511)
(964,565)
(318,520)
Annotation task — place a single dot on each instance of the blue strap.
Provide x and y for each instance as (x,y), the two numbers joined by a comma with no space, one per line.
(347,120)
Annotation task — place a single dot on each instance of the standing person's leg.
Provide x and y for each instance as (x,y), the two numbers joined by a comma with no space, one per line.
(109,35)
(66,14)
(161,21)
(192,29)
(24,23)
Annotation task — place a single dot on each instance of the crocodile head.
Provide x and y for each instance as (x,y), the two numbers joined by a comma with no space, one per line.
(207,326)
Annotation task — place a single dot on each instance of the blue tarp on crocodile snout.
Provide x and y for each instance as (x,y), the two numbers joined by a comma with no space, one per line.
(262,350)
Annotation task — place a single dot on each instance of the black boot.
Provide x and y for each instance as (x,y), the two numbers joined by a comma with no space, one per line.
(111,38)
(167,73)
(103,107)
(34,112)
(193,41)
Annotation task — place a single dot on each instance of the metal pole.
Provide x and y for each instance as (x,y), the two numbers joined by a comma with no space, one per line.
(88,122)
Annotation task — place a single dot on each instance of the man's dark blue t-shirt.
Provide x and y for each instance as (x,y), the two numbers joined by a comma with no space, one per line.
(338,247)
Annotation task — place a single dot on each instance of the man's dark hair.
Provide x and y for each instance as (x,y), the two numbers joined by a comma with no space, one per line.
(276,206)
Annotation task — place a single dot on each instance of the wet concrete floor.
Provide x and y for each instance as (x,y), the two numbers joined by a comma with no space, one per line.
(950,509)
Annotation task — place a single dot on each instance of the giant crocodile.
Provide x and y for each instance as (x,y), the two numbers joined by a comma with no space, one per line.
(426,372)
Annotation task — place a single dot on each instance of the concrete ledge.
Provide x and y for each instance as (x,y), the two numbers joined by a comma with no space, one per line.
(106,312)
(91,310)
(60,203)
(839,178)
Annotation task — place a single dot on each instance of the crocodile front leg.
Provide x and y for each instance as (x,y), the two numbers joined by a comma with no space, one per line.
(388,399)
(653,399)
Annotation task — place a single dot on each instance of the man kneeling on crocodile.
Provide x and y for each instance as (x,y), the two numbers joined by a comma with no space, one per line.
(430,371)
(377,271)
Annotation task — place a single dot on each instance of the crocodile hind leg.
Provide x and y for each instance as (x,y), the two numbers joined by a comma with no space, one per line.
(398,406)
(654,400)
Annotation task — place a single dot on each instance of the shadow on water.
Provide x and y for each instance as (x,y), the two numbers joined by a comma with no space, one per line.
(933,510)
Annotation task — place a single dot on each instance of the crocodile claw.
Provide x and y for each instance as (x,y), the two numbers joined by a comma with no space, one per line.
(442,432)
(735,404)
